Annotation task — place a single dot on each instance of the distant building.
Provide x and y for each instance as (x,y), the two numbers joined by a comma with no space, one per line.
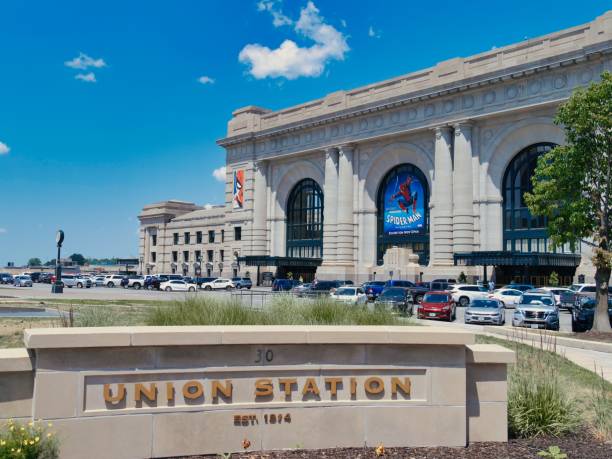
(419,176)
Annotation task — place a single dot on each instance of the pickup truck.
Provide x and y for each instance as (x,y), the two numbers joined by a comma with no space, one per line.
(569,298)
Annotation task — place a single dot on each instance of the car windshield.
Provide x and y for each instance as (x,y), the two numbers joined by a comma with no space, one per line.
(484,304)
(574,288)
(536,299)
(393,293)
(435,298)
(345,292)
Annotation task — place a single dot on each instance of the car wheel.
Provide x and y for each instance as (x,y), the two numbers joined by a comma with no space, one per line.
(464,301)
(111,285)
(228,288)
(191,289)
(248,288)
(79,285)
(208,288)
(454,314)
(168,289)
(503,304)
(418,298)
(137,286)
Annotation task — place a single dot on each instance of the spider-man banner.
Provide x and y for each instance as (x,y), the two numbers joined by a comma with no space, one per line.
(238,189)
(404,206)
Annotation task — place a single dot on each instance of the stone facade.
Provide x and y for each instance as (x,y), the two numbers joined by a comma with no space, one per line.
(127,392)
(460,123)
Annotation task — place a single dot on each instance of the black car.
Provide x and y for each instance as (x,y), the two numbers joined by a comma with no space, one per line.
(397,298)
(203,280)
(45,278)
(6,278)
(583,314)
(323,288)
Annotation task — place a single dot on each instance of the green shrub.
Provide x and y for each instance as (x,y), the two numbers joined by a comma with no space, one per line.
(601,408)
(282,310)
(31,440)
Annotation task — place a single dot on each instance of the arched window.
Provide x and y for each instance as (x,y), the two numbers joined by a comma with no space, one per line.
(305,220)
(403,212)
(522,231)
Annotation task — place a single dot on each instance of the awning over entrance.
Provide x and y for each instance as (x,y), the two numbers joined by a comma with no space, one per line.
(263,260)
(503,258)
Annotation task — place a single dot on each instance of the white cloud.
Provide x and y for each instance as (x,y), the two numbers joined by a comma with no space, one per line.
(373,33)
(273,7)
(291,61)
(4,148)
(208,206)
(219,174)
(3,231)
(87,77)
(83,62)
(206,80)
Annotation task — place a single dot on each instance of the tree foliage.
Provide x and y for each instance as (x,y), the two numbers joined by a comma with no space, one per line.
(78,259)
(572,184)
(34,262)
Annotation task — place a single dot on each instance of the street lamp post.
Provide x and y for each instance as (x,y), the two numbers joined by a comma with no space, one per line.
(58,286)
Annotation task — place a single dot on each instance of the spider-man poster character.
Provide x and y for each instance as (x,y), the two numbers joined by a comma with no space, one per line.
(405,197)
(404,201)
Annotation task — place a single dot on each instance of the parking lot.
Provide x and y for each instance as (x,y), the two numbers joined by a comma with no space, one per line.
(255,297)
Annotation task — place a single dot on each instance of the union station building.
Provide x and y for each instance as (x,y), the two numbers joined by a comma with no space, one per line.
(417,177)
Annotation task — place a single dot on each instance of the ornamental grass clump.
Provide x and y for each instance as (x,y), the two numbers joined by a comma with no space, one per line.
(281,310)
(31,440)
(538,403)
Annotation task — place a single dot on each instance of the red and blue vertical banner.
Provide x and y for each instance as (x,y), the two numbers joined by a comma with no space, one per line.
(404,206)
(238,199)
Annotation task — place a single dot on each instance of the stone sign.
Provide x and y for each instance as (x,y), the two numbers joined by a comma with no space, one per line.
(171,391)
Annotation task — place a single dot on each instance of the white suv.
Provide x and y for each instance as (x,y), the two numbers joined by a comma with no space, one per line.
(464,294)
(74,280)
(218,284)
(112,281)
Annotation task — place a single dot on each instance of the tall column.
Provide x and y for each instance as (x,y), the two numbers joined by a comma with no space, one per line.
(345,236)
(442,215)
(260,208)
(330,202)
(463,218)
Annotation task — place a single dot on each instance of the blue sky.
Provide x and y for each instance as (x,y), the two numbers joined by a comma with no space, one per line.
(87,139)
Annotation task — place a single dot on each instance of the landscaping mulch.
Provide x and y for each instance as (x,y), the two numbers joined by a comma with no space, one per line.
(591,336)
(580,445)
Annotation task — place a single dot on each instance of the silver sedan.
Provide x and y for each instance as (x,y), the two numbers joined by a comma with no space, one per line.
(485,312)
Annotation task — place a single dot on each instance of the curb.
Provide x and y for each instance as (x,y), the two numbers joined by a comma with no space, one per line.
(560,340)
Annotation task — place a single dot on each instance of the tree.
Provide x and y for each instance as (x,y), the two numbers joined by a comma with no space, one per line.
(553,280)
(34,262)
(78,259)
(572,184)
(462,278)
(50,262)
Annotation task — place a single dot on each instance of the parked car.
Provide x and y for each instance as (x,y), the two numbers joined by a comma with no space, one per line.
(570,299)
(22,281)
(446,281)
(490,311)
(464,294)
(112,280)
(349,295)
(35,276)
(536,311)
(178,286)
(557,291)
(373,289)
(507,296)
(6,278)
(397,298)
(437,305)
(301,289)
(73,280)
(435,285)
(202,280)
(521,287)
(44,278)
(218,284)
(322,288)
(242,282)
(136,282)
(98,281)
(284,285)
(584,313)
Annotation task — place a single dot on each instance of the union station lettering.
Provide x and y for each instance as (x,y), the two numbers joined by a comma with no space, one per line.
(261,390)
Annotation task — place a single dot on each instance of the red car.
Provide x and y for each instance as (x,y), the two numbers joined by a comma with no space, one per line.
(437,305)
